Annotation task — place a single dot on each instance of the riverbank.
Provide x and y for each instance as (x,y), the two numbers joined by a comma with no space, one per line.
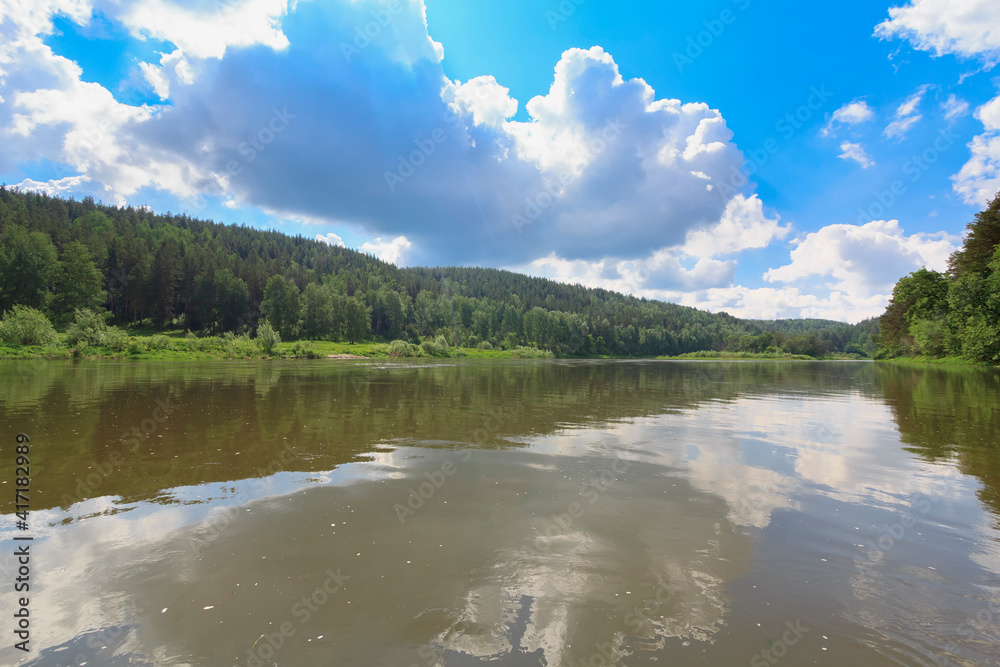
(936,361)
(176,346)
(179,346)
(738,356)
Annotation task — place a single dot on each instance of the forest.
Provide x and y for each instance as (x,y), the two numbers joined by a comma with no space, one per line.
(955,313)
(76,262)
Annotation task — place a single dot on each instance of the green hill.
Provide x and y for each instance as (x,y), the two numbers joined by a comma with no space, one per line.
(175,271)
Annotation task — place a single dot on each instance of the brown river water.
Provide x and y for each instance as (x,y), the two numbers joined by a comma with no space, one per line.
(576,513)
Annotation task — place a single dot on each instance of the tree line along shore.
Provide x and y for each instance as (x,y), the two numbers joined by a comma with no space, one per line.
(86,279)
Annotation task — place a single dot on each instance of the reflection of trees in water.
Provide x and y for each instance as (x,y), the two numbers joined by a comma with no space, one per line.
(235,418)
(949,414)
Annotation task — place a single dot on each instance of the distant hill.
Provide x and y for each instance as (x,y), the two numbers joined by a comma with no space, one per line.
(170,270)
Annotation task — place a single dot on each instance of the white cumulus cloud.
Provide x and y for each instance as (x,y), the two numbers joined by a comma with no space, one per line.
(978,182)
(863,261)
(743,226)
(392,251)
(330,239)
(205,30)
(487,101)
(966,28)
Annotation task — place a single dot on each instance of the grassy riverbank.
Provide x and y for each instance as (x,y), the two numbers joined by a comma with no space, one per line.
(732,356)
(177,346)
(922,360)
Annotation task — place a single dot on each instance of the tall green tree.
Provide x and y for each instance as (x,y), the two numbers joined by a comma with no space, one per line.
(921,295)
(79,283)
(281,306)
(357,320)
(29,264)
(232,300)
(317,312)
(982,238)
(202,310)
(975,313)
(166,273)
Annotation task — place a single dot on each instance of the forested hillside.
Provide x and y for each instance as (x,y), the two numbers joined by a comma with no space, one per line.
(174,271)
(956,313)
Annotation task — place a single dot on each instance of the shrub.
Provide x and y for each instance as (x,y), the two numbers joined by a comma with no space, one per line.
(267,338)
(530,353)
(437,347)
(116,339)
(239,346)
(160,342)
(90,329)
(400,348)
(26,326)
(302,350)
(192,342)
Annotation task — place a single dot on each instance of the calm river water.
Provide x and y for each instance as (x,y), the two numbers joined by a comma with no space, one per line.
(513,513)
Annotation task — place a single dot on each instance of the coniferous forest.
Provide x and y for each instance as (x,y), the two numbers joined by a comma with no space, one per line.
(69,260)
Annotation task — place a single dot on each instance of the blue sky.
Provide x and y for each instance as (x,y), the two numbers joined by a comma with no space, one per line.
(588,141)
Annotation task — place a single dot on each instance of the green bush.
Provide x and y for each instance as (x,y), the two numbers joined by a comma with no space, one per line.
(90,329)
(530,353)
(116,339)
(135,345)
(267,338)
(239,346)
(160,342)
(436,348)
(400,348)
(26,326)
(193,343)
(302,350)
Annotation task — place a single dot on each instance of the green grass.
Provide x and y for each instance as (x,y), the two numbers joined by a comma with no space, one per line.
(722,356)
(177,346)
